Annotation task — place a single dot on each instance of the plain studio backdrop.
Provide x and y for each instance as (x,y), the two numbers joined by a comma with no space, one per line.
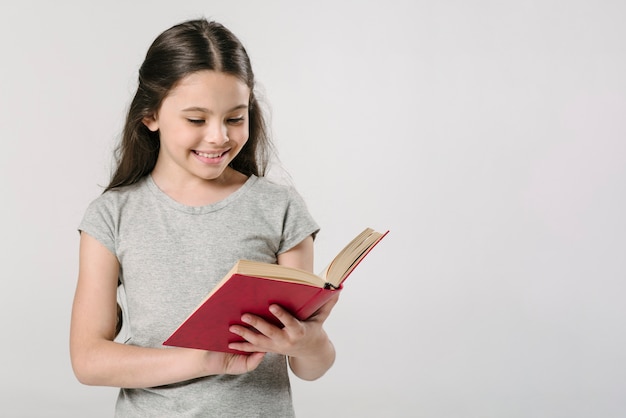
(488,136)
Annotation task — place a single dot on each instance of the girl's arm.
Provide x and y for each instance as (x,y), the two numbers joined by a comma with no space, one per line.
(98,360)
(310,351)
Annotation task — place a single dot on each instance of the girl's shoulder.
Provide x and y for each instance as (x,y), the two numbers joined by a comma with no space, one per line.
(116,198)
(279,184)
(271,188)
(275,196)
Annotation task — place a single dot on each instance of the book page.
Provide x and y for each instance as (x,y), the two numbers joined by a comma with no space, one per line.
(343,264)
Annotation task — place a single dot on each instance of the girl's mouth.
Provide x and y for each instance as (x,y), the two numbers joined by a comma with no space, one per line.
(210,157)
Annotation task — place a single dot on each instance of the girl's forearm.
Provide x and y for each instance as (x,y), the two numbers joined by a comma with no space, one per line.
(108,363)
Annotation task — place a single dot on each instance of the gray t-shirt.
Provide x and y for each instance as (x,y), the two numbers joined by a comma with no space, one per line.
(171,255)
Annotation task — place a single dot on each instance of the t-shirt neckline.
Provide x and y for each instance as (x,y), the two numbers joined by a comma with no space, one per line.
(197,210)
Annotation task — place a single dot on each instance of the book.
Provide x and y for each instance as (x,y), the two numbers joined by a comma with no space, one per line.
(251,287)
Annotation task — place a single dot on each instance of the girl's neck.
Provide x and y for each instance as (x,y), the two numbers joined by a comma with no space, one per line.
(200,192)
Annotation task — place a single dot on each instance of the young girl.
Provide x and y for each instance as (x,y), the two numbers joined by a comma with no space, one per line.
(186,201)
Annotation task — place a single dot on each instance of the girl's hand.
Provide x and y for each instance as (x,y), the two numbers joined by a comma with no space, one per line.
(305,342)
(226,363)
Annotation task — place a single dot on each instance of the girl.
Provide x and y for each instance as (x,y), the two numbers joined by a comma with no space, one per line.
(186,201)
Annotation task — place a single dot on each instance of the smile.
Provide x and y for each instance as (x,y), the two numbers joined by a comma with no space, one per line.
(210,155)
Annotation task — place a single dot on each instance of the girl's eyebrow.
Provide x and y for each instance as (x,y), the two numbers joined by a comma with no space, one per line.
(205,110)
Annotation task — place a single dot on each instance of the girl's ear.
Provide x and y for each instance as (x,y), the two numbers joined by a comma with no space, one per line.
(151,123)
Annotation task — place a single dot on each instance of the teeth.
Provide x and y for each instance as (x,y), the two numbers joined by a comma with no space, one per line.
(205,155)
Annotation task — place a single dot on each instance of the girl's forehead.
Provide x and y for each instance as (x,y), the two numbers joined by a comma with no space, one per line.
(209,85)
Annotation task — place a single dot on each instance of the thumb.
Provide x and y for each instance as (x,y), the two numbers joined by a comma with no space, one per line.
(253,361)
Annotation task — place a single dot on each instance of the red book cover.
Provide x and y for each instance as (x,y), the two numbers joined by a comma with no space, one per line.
(243,290)
(207,327)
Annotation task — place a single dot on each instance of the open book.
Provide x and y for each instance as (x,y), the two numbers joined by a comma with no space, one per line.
(251,287)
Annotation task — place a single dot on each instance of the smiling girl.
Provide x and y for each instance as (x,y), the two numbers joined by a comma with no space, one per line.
(186,201)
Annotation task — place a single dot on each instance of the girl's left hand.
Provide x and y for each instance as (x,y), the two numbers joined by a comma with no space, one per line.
(296,339)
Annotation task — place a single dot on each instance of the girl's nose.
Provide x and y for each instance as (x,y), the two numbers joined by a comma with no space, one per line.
(217,135)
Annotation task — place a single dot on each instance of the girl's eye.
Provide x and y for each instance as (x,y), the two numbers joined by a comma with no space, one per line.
(235,121)
(196,121)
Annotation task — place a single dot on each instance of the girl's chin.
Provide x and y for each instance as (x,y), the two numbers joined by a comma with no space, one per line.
(221,174)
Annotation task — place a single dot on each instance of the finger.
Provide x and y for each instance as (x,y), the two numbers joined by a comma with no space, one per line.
(285,318)
(253,361)
(241,363)
(256,335)
(270,329)
(247,347)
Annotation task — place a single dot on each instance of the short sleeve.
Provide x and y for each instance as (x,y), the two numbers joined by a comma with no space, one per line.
(298,222)
(99,222)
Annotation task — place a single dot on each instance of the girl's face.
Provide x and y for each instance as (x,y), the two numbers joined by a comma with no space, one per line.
(202,124)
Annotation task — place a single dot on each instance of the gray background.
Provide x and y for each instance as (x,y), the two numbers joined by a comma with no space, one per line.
(488,136)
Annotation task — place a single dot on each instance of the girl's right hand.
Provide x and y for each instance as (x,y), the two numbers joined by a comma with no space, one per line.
(227,363)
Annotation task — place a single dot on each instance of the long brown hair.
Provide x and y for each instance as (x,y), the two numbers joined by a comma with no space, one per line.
(185,48)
